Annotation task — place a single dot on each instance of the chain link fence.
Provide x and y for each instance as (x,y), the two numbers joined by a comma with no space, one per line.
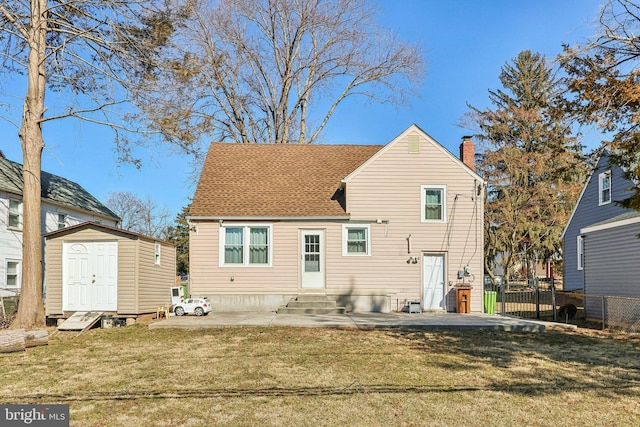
(544,300)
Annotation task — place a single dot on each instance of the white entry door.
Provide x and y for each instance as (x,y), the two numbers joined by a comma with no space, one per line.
(105,277)
(312,259)
(433,282)
(76,277)
(90,276)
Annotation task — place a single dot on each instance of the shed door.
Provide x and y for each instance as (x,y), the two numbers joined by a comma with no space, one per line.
(433,282)
(90,276)
(105,277)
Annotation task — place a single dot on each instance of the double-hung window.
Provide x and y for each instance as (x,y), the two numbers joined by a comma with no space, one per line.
(580,252)
(62,221)
(356,239)
(604,188)
(15,214)
(13,274)
(433,203)
(245,245)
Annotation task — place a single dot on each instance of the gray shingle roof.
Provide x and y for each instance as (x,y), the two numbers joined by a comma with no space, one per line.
(55,189)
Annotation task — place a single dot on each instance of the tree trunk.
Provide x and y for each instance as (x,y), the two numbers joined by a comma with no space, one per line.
(11,341)
(36,338)
(31,308)
(17,340)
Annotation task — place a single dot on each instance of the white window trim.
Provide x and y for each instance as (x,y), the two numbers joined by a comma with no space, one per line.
(580,252)
(157,253)
(65,219)
(423,197)
(345,235)
(245,244)
(20,214)
(600,179)
(19,273)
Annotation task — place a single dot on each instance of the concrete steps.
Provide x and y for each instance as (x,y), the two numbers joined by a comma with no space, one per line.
(311,304)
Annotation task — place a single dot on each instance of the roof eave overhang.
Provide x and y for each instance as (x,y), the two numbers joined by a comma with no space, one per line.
(266,218)
(80,210)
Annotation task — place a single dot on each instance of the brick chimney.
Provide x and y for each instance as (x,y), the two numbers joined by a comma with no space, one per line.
(467,152)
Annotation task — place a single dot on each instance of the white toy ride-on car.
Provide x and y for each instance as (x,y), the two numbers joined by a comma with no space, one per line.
(197,306)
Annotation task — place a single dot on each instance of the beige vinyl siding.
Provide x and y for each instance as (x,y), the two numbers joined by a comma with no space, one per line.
(207,276)
(384,273)
(385,188)
(127,275)
(154,280)
(142,285)
(389,188)
(53,276)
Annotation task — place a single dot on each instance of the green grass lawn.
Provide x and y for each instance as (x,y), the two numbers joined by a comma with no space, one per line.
(295,376)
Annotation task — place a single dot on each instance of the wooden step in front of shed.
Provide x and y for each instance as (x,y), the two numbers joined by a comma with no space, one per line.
(80,321)
(311,304)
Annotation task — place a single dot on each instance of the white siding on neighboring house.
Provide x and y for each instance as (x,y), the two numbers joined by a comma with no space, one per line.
(11,247)
(10,241)
(63,203)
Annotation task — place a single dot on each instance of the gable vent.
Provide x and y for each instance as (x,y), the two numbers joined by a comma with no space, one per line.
(414,144)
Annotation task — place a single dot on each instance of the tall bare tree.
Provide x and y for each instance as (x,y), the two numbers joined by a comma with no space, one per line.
(532,163)
(604,83)
(92,53)
(140,215)
(276,70)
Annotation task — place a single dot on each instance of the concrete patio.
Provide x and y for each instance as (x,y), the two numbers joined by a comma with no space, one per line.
(422,321)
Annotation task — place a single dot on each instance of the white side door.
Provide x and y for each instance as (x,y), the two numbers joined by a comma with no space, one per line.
(312,259)
(105,277)
(433,282)
(76,279)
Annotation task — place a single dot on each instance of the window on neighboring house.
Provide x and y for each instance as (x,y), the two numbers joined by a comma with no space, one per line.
(604,181)
(245,245)
(15,214)
(580,252)
(157,254)
(434,203)
(13,274)
(62,221)
(356,239)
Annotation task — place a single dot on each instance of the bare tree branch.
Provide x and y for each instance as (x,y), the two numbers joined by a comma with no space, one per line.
(276,71)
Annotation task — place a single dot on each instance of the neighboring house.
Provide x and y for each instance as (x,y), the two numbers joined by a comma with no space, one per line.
(93,267)
(601,245)
(64,203)
(372,227)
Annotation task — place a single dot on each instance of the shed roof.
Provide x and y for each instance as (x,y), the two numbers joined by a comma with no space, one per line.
(101,227)
(55,189)
(275,180)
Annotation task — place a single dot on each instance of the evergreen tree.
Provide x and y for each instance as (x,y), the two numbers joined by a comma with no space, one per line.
(533,166)
(179,236)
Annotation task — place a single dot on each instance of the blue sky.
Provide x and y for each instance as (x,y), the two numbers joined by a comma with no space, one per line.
(466,42)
